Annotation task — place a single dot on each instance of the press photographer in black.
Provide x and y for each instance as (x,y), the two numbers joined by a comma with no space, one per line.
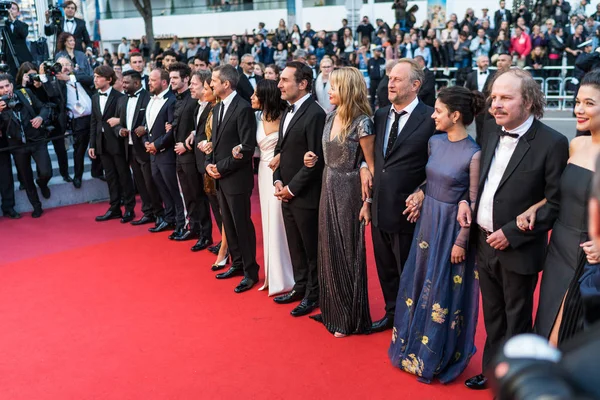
(21,116)
(28,77)
(56,24)
(15,32)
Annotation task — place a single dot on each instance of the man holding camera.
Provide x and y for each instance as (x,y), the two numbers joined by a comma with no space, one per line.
(15,32)
(21,116)
(56,24)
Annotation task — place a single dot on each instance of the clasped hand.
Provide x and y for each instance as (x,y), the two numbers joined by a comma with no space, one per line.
(212,171)
(282,192)
(414,202)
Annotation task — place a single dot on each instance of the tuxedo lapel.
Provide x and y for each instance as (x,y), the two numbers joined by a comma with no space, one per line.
(139,111)
(111,98)
(488,155)
(520,151)
(296,117)
(380,132)
(414,121)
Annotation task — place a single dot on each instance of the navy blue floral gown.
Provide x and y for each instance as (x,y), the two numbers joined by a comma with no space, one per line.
(438,302)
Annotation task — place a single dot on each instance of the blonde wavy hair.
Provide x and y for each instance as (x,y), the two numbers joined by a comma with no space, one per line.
(354,102)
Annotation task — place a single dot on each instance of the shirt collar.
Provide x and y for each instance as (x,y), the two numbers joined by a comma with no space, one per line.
(227,100)
(523,128)
(408,109)
(107,91)
(163,93)
(202,103)
(139,91)
(300,101)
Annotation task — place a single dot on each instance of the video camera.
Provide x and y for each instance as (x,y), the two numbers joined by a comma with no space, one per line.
(55,13)
(5,6)
(12,102)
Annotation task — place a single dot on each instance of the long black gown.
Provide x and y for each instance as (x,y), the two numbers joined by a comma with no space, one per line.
(565,260)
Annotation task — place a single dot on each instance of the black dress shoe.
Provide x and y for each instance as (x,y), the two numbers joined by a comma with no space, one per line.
(162,226)
(202,244)
(176,234)
(215,249)
(305,307)
(289,297)
(110,214)
(11,213)
(231,272)
(67,179)
(37,213)
(127,217)
(187,235)
(77,183)
(478,382)
(245,284)
(383,324)
(45,191)
(144,220)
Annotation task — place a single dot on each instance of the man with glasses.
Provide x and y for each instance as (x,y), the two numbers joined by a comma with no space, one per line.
(248,80)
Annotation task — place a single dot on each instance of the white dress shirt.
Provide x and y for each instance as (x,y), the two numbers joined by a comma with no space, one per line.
(481,78)
(391,117)
(130,112)
(78,101)
(252,80)
(155,104)
(70,26)
(226,102)
(103,99)
(504,151)
(203,105)
(289,115)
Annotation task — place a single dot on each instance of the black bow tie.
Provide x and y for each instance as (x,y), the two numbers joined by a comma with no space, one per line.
(132,95)
(252,77)
(482,72)
(512,135)
(70,20)
(291,108)
(103,94)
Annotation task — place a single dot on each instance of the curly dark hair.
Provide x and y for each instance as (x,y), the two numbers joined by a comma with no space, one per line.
(269,97)
(62,40)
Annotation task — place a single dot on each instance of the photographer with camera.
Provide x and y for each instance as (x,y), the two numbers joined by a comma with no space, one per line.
(21,117)
(28,77)
(56,24)
(65,47)
(15,33)
(72,91)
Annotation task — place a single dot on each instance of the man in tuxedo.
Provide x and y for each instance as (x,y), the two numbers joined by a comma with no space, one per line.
(248,80)
(480,80)
(297,186)
(502,15)
(136,62)
(16,31)
(192,185)
(427,89)
(106,143)
(234,131)
(158,139)
(131,113)
(402,134)
(521,163)
(20,125)
(69,23)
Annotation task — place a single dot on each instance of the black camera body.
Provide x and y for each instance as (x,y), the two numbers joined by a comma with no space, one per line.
(12,102)
(5,6)
(34,78)
(55,14)
(52,68)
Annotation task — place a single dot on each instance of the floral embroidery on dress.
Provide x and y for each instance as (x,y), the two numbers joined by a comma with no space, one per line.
(457,322)
(424,339)
(438,314)
(457,356)
(457,279)
(409,303)
(413,364)
(476,274)
(394,335)
(424,245)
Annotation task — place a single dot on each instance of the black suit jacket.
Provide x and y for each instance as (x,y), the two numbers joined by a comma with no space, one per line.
(427,90)
(18,38)
(139,149)
(471,82)
(10,125)
(81,34)
(401,173)
(162,139)
(104,138)
(382,92)
(498,18)
(533,173)
(304,133)
(184,124)
(200,128)
(244,87)
(238,127)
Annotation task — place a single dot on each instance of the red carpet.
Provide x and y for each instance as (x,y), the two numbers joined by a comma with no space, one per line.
(106,311)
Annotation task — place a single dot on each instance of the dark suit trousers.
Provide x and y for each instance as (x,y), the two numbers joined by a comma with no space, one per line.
(81,140)
(165,177)
(61,155)
(23,156)
(142,175)
(302,231)
(373,92)
(195,199)
(391,252)
(507,300)
(7,184)
(118,179)
(239,229)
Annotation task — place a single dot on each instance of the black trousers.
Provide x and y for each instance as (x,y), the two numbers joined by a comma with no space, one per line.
(142,175)
(61,155)
(507,299)
(391,252)
(23,156)
(239,229)
(118,179)
(302,231)
(196,202)
(7,184)
(81,140)
(165,178)
(373,92)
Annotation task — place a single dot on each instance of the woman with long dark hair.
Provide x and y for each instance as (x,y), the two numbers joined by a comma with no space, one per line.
(279,276)
(65,47)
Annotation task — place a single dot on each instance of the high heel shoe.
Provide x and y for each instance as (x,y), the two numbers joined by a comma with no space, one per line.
(221,264)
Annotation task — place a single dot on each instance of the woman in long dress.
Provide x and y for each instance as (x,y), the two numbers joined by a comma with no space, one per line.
(438,298)
(560,309)
(279,276)
(343,210)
